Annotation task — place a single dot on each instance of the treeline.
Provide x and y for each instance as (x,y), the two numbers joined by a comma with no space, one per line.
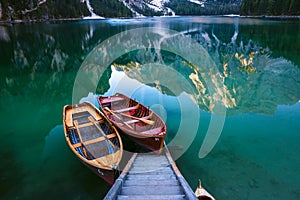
(57,9)
(146,11)
(110,8)
(42,10)
(211,7)
(270,7)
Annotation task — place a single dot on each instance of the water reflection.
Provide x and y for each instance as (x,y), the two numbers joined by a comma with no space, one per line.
(240,61)
(167,106)
(4,36)
(257,68)
(252,79)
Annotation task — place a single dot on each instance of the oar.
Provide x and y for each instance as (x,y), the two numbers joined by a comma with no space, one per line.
(146,121)
(114,114)
(101,131)
(80,138)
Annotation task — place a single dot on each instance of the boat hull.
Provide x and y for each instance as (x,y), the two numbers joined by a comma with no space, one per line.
(122,111)
(93,139)
(108,175)
(154,144)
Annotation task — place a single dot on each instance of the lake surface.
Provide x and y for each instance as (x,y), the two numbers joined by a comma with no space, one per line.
(228,88)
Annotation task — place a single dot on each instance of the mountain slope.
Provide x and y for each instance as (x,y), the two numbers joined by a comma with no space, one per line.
(183,7)
(205,7)
(270,7)
(56,9)
(41,9)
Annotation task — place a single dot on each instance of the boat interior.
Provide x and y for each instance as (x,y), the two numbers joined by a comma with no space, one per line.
(132,115)
(92,139)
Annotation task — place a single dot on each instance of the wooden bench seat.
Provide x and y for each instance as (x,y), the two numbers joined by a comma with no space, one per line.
(95,140)
(136,120)
(111,99)
(153,131)
(76,111)
(126,109)
(89,124)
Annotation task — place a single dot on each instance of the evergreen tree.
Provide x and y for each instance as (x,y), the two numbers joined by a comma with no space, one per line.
(270,7)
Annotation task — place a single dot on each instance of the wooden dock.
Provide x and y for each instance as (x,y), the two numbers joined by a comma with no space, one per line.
(152,177)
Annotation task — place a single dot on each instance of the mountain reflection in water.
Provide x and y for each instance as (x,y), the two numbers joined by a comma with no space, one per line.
(252,80)
(255,69)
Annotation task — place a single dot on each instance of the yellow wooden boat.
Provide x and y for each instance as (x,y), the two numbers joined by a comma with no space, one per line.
(93,139)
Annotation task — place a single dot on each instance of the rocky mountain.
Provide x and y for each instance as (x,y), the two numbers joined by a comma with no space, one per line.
(13,10)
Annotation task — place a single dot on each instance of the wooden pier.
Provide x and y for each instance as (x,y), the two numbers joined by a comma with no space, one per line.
(152,177)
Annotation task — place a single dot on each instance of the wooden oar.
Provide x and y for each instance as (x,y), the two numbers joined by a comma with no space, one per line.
(114,114)
(80,138)
(146,121)
(101,131)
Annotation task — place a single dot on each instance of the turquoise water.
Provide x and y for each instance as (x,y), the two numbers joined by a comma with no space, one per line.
(256,135)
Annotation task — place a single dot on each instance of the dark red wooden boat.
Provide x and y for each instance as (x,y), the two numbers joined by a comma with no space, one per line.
(93,139)
(138,122)
(202,194)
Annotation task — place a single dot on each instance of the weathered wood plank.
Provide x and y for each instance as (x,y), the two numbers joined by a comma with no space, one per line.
(151,173)
(150,177)
(153,177)
(152,182)
(126,109)
(112,99)
(152,165)
(154,190)
(116,188)
(151,197)
(154,171)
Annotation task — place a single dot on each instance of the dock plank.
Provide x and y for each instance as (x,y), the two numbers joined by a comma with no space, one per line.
(153,182)
(150,197)
(156,190)
(151,177)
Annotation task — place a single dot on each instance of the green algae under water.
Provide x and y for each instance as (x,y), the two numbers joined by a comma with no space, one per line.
(256,155)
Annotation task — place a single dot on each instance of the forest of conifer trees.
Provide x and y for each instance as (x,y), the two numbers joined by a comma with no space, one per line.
(12,10)
(270,7)
(57,9)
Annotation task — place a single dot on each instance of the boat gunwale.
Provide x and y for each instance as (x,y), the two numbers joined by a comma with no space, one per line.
(92,162)
(133,133)
(153,142)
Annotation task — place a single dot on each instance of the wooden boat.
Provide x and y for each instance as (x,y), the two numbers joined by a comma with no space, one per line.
(137,121)
(93,139)
(202,194)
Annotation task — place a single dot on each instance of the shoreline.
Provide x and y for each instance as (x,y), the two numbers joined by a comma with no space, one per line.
(19,21)
(272,16)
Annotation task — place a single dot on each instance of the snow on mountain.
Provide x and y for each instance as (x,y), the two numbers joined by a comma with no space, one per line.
(169,7)
(91,10)
(154,7)
(201,3)
(129,5)
(14,10)
(159,3)
(157,7)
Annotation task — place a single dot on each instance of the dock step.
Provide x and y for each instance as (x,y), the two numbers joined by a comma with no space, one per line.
(150,177)
(147,168)
(148,172)
(151,183)
(150,197)
(156,190)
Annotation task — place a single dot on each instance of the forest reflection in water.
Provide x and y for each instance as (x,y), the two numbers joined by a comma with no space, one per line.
(256,78)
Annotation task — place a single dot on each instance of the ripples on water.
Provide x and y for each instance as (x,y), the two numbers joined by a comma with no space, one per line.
(258,83)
